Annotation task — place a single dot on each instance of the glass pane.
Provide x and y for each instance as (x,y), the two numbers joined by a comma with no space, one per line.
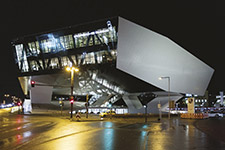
(25,63)
(71,45)
(19,50)
(41,63)
(34,65)
(66,41)
(61,40)
(59,45)
(65,61)
(90,41)
(54,63)
(74,59)
(38,47)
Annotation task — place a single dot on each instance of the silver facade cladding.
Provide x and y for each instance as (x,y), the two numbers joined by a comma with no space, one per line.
(148,56)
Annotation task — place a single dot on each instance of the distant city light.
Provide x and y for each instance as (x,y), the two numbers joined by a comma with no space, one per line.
(220,96)
(188,95)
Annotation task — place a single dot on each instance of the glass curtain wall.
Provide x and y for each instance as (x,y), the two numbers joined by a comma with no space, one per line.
(31,56)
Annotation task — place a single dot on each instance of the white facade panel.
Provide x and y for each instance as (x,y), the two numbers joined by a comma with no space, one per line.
(148,56)
(41,94)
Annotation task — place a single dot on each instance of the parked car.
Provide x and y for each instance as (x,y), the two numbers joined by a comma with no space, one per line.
(215,114)
(107,113)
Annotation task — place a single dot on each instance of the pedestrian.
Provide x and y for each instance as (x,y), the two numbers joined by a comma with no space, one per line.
(78,116)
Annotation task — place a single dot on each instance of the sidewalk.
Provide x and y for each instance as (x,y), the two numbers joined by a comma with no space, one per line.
(93,117)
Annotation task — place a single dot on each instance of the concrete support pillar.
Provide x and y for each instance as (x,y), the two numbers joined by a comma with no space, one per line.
(41,94)
(133,103)
(24,84)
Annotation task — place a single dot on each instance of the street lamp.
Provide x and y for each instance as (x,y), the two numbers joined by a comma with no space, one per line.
(110,106)
(160,78)
(72,70)
(145,106)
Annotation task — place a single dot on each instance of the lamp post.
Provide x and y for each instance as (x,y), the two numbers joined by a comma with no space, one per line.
(110,106)
(168,93)
(86,105)
(145,106)
(160,112)
(72,70)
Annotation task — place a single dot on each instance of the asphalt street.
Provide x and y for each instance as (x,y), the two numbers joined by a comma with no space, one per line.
(46,132)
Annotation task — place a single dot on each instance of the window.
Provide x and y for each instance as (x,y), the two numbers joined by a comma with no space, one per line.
(71,44)
(33,48)
(46,48)
(21,58)
(38,47)
(89,58)
(65,62)
(41,63)
(74,59)
(58,44)
(19,51)
(68,42)
(61,41)
(34,66)
(54,63)
(79,59)
(90,41)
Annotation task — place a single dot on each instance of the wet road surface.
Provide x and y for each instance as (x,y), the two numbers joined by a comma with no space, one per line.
(178,134)
(38,132)
(214,127)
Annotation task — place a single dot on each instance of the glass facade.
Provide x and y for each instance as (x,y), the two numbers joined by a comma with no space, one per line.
(57,52)
(21,58)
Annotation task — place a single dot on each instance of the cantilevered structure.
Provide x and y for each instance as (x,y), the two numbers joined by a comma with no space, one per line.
(118,60)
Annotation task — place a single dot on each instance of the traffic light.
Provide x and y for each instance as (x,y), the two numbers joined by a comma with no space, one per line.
(71,101)
(32,83)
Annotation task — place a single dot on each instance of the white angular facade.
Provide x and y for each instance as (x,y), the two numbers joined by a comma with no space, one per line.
(148,56)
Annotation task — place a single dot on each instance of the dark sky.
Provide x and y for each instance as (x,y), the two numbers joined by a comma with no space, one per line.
(198,26)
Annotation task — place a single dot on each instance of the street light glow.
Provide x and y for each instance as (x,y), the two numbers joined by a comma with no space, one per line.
(75,69)
(72,69)
(68,69)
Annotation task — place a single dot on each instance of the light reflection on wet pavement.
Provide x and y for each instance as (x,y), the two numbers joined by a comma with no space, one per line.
(41,132)
(19,129)
(176,134)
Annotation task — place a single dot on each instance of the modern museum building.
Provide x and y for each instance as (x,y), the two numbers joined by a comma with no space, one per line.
(120,63)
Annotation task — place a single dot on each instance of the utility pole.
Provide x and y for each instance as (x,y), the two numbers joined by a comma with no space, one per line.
(72,98)
(160,78)
(86,104)
(72,70)
(160,112)
(169,96)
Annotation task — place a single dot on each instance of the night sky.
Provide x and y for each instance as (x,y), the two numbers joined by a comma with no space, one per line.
(197,26)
